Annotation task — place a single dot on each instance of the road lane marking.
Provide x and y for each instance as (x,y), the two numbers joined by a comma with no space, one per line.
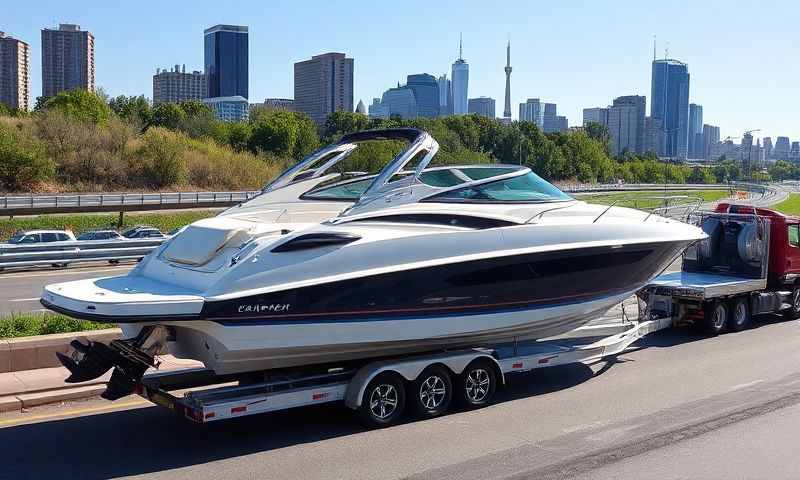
(79,411)
(745,385)
(23,299)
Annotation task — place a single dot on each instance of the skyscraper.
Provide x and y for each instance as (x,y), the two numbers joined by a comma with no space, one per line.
(67,59)
(549,118)
(426,92)
(623,127)
(175,86)
(695,131)
(445,96)
(360,108)
(593,115)
(460,84)
(653,135)
(323,85)
(768,147)
(507,109)
(639,102)
(781,149)
(669,103)
(14,72)
(226,61)
(482,106)
(710,138)
(532,111)
(562,125)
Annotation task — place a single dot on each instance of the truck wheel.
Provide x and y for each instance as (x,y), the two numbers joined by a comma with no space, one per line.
(383,401)
(793,312)
(432,392)
(477,384)
(715,317)
(740,314)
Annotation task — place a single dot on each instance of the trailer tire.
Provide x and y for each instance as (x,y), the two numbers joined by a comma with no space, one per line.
(739,315)
(384,401)
(793,312)
(715,318)
(432,392)
(476,384)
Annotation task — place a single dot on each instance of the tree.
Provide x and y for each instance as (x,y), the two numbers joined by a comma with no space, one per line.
(161,154)
(81,105)
(340,122)
(22,161)
(599,132)
(134,110)
(283,133)
(168,115)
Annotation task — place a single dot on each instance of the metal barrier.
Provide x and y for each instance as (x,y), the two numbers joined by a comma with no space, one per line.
(64,253)
(101,202)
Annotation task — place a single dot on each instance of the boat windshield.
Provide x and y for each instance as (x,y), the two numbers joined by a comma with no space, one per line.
(526,188)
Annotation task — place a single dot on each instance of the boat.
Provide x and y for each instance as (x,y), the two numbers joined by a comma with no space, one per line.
(331,265)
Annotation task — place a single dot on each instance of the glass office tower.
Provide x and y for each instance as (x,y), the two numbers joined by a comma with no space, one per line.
(670,105)
(226,60)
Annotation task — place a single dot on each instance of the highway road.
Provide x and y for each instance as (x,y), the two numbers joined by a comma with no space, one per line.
(20,289)
(676,406)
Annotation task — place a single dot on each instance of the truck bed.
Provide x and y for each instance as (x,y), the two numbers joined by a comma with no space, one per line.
(703,286)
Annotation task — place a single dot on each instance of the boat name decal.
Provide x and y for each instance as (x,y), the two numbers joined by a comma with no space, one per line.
(260,308)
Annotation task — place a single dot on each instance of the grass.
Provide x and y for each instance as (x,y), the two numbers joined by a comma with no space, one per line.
(790,206)
(43,323)
(79,223)
(653,199)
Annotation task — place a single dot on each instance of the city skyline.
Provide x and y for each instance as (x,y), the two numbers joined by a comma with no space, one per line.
(568,71)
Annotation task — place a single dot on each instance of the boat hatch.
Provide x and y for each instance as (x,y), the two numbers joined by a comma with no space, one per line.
(203,240)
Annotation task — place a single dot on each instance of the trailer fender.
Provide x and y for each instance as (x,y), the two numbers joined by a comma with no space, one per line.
(410,369)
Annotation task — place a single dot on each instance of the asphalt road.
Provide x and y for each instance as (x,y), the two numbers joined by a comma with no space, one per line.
(20,289)
(650,414)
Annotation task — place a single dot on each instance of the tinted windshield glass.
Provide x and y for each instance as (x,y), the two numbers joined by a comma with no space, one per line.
(524,188)
(344,191)
(16,238)
(86,236)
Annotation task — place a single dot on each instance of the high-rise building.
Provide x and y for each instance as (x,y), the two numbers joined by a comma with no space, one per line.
(175,86)
(746,149)
(323,85)
(595,115)
(229,109)
(361,108)
(399,101)
(768,147)
(549,118)
(669,102)
(794,152)
(483,106)
(562,125)
(14,72)
(695,131)
(426,92)
(67,59)
(623,128)
(226,61)
(711,137)
(781,149)
(445,96)
(460,83)
(640,103)
(532,111)
(377,110)
(507,109)
(653,135)
(278,103)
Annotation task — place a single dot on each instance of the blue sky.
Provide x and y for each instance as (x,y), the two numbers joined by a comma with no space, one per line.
(742,57)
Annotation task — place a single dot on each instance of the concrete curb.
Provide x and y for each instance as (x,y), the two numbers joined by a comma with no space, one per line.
(30,353)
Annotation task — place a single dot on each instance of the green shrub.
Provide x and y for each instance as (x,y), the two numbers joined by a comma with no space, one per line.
(45,323)
(23,161)
(81,105)
(161,156)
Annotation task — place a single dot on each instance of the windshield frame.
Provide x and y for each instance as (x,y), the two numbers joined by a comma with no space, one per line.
(522,172)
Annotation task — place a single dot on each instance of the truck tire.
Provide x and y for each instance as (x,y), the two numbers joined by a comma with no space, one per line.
(793,312)
(715,318)
(740,314)
(432,392)
(384,401)
(476,385)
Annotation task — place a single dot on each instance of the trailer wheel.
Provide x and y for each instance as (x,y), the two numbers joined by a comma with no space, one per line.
(715,317)
(383,402)
(793,312)
(477,384)
(740,314)
(432,392)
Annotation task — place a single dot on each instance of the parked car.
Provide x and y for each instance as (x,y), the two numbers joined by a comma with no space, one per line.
(143,231)
(41,236)
(100,235)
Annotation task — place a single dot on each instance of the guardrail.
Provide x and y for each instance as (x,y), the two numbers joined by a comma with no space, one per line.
(65,253)
(118,202)
(622,187)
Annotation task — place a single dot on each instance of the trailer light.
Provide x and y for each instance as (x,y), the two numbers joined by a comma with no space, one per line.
(319,396)
(546,359)
(517,365)
(209,415)
(239,409)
